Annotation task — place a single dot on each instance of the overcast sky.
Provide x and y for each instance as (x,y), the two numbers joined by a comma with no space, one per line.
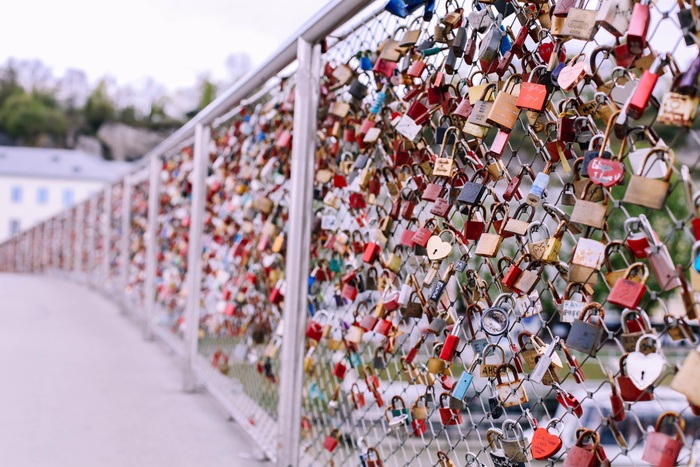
(172,41)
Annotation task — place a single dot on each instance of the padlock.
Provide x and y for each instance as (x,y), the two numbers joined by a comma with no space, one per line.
(517,226)
(648,192)
(659,258)
(536,249)
(586,261)
(580,23)
(515,447)
(627,293)
(449,347)
(614,15)
(533,95)
(661,450)
(490,43)
(635,323)
(580,456)
(685,381)
(488,370)
(472,193)
(477,344)
(504,113)
(482,107)
(638,27)
(443,164)
(331,440)
(489,243)
(589,213)
(544,444)
(584,336)
(459,392)
(373,459)
(553,245)
(527,280)
(510,393)
(640,98)
(628,390)
(644,368)
(448,416)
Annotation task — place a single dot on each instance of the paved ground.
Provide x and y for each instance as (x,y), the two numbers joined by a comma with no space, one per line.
(80,387)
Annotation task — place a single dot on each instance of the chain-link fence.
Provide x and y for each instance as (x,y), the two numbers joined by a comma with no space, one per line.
(487,285)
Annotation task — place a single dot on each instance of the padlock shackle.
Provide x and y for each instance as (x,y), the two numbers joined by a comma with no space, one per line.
(677,416)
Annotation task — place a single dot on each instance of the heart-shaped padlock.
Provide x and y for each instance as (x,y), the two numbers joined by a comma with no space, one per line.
(571,75)
(439,249)
(544,443)
(606,172)
(643,369)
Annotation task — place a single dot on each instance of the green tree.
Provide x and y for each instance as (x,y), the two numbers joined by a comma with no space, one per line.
(208,93)
(99,107)
(28,116)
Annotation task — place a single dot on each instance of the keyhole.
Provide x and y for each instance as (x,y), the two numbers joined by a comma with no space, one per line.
(643,374)
(435,251)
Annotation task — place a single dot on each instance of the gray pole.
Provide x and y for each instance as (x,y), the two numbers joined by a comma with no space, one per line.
(106,235)
(298,251)
(194,254)
(149,292)
(126,228)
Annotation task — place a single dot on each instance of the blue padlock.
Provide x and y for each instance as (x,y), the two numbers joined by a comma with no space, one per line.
(506,44)
(460,389)
(696,253)
(366,62)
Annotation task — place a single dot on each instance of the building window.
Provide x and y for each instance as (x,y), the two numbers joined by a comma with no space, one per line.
(42,196)
(16,194)
(14,226)
(67,197)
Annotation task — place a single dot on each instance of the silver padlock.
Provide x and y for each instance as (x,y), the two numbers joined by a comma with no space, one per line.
(491,43)
(515,447)
(660,259)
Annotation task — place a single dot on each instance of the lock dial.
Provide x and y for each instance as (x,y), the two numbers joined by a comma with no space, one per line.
(494,321)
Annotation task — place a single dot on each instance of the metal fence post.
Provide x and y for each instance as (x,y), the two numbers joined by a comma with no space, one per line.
(106,235)
(149,293)
(194,254)
(78,246)
(124,252)
(298,251)
(69,242)
(91,221)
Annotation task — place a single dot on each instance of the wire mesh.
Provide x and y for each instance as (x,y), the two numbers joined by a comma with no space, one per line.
(375,384)
(340,402)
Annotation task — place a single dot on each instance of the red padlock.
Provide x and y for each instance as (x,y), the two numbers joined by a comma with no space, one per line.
(371,253)
(474,228)
(331,441)
(349,292)
(567,400)
(627,293)
(449,347)
(580,456)
(642,93)
(639,25)
(616,403)
(513,272)
(423,234)
(661,450)
(449,416)
(339,370)
(383,327)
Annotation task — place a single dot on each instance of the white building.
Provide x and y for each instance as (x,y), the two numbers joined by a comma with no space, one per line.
(37,183)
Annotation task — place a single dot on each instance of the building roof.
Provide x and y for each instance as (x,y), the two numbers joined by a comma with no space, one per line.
(60,163)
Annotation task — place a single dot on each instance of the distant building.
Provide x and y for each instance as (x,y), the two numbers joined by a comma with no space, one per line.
(37,183)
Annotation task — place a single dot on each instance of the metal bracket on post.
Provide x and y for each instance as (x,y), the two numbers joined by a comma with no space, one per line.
(151,239)
(124,252)
(194,254)
(298,251)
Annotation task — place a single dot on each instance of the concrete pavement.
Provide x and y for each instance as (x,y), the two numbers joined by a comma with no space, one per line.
(79,386)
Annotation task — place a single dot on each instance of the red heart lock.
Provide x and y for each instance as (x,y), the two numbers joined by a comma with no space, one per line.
(606,172)
(545,444)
